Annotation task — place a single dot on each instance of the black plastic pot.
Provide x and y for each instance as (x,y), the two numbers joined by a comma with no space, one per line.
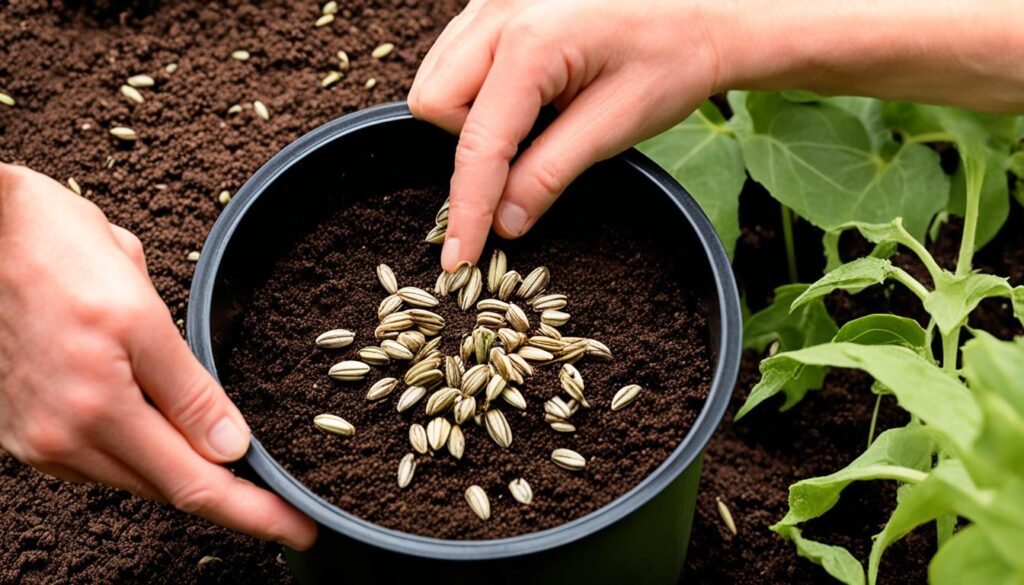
(639,538)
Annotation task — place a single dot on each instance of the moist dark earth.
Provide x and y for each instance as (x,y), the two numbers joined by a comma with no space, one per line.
(64,61)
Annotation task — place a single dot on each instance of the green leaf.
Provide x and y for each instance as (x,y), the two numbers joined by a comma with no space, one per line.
(884,329)
(852,276)
(702,154)
(1016,163)
(956,296)
(920,386)
(827,165)
(970,558)
(996,367)
(836,560)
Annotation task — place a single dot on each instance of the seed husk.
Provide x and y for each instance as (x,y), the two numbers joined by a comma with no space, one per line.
(471,292)
(406,469)
(549,331)
(330,8)
(461,276)
(437,432)
(387,278)
(573,406)
(456,442)
(494,305)
(598,350)
(224,197)
(427,351)
(374,356)
(517,318)
(511,338)
(235,109)
(418,438)
(453,371)
(382,388)
(334,424)
(417,297)
(483,339)
(140,81)
(521,490)
(436,235)
(550,418)
(535,354)
(568,459)
(330,79)
(414,340)
(465,409)
(441,401)
(534,283)
(467,350)
(508,284)
(6,100)
(497,428)
(208,559)
(548,344)
(324,20)
(496,269)
(171,67)
(123,133)
(572,383)
(370,83)
(382,50)
(343,62)
(773,348)
(476,497)
(556,407)
(475,378)
(554,318)
(410,397)
(441,217)
(336,339)
(396,351)
(261,110)
(132,94)
(503,366)
(726,515)
(441,286)
(572,352)
(349,371)
(425,378)
(563,427)
(192,256)
(550,302)
(520,364)
(240,55)
(393,323)
(490,319)
(495,386)
(423,317)
(625,396)
(73,184)
(513,396)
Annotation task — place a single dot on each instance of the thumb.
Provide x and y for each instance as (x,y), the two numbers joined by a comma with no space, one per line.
(185,392)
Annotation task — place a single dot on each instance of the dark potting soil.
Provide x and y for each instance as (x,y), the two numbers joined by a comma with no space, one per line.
(63,62)
(278,377)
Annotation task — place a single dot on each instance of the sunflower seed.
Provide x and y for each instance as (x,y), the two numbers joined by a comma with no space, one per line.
(261,110)
(330,8)
(508,284)
(483,339)
(436,235)
(497,428)
(534,283)
(465,409)
(513,396)
(453,371)
(417,297)
(573,406)
(425,352)
(370,83)
(625,395)
(441,286)
(496,269)
(423,317)
(193,256)
(374,356)
(6,100)
(441,217)
(511,338)
(330,79)
(425,378)
(549,331)
(235,109)
(535,354)
(490,320)
(495,386)
(437,432)
(126,134)
(563,427)
(382,388)
(335,338)
(568,459)
(382,50)
(726,515)
(598,350)
(406,468)
(441,401)
(572,383)
(343,62)
(556,407)
(476,497)
(240,55)
(418,438)
(517,318)
(467,349)
(545,343)
(73,184)
(224,197)
(521,490)
(493,305)
(349,371)
(520,364)
(140,81)
(554,318)
(132,94)
(387,279)
(456,442)
(410,397)
(553,302)
(208,559)
(504,367)
(414,340)
(324,20)
(396,351)
(550,418)
(393,323)
(471,291)
(334,424)
(474,379)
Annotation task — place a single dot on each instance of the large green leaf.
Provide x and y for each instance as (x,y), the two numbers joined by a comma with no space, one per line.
(884,329)
(995,373)
(836,560)
(970,558)
(703,155)
(956,296)
(827,165)
(852,276)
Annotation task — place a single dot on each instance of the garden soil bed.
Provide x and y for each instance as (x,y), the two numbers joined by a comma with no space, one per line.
(63,62)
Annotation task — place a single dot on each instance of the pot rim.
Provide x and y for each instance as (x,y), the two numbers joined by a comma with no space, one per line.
(326,514)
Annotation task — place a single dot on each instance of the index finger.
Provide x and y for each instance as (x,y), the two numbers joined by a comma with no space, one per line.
(520,81)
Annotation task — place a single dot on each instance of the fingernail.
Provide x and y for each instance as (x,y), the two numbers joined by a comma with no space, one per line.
(450,254)
(513,218)
(227,439)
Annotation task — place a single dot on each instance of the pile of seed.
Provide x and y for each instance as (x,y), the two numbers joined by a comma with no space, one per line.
(495,360)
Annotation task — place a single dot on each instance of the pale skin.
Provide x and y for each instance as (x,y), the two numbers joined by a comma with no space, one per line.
(85,338)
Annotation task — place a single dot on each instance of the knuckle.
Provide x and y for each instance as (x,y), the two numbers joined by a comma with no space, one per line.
(193,404)
(527,31)
(88,409)
(194,497)
(477,142)
(470,208)
(550,177)
(44,443)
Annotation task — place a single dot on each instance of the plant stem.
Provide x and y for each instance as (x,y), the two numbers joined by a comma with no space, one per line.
(929,137)
(896,472)
(909,281)
(787,234)
(974,169)
(950,347)
(926,258)
(874,421)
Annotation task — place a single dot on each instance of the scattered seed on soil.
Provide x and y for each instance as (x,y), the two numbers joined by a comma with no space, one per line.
(496,269)
(334,424)
(240,55)
(418,439)
(410,397)
(6,100)
(330,8)
(437,432)
(416,297)
(224,197)
(73,184)
(498,429)
(370,84)
(521,490)
(456,442)
(534,283)
(330,79)
(568,459)
(555,318)
(382,50)
(343,62)
(132,94)
(381,388)
(140,81)
(406,469)
(235,109)
(478,502)
(171,67)
(349,371)
(192,256)
(335,339)
(563,427)
(324,20)
(625,396)
(726,515)
(123,133)
(261,110)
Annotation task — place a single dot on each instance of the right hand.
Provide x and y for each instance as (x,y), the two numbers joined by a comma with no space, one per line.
(84,340)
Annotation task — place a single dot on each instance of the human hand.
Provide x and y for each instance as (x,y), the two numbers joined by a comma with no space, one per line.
(618,72)
(84,340)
